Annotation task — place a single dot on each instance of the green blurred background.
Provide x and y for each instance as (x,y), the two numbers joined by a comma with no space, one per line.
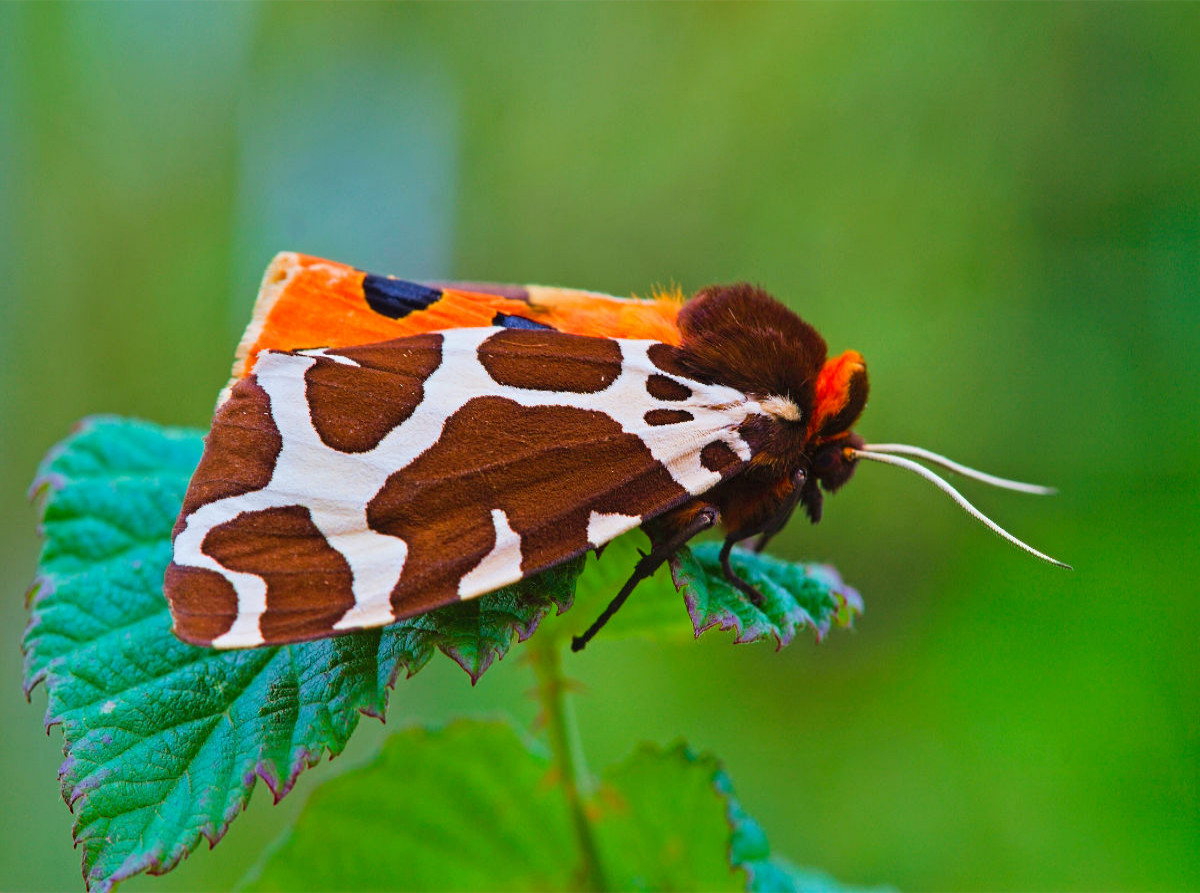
(998,205)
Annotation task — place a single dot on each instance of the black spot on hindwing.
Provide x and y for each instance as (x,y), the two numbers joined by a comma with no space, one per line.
(396,298)
(509,321)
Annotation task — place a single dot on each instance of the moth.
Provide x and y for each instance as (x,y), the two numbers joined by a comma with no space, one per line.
(385,447)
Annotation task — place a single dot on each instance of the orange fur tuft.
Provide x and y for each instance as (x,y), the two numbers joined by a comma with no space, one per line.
(590,313)
(841,394)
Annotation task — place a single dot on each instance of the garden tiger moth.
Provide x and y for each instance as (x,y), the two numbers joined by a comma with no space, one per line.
(387,447)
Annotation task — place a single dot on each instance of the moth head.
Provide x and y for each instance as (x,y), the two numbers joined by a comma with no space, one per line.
(840,395)
(833,462)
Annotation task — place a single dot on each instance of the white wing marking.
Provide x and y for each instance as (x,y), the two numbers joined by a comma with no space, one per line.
(605,526)
(498,567)
(324,352)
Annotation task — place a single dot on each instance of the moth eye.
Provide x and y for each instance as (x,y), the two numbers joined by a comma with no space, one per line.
(824,462)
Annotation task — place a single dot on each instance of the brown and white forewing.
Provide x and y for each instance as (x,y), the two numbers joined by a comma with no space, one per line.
(343,489)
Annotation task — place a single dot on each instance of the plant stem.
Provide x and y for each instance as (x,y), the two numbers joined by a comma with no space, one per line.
(560,726)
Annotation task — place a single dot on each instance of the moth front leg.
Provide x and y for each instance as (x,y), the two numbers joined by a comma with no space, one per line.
(779,520)
(772,509)
(673,538)
(756,597)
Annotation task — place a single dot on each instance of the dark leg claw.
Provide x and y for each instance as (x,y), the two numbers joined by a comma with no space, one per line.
(648,564)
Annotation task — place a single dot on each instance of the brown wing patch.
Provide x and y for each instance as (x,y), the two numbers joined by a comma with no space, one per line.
(667,416)
(662,388)
(353,409)
(551,361)
(239,452)
(308,581)
(203,603)
(668,359)
(547,467)
(717,456)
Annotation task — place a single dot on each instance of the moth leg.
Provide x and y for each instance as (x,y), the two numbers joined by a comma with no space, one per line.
(751,593)
(660,552)
(779,520)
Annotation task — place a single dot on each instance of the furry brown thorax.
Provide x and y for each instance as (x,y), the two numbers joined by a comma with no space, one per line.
(738,335)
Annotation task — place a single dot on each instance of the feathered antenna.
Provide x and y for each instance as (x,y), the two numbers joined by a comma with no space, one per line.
(886,453)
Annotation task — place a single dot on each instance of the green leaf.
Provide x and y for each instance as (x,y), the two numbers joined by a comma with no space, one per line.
(474,807)
(661,823)
(778,875)
(667,819)
(164,741)
(795,595)
(766,873)
(467,807)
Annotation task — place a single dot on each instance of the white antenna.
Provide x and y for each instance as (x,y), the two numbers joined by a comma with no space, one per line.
(956,496)
(950,465)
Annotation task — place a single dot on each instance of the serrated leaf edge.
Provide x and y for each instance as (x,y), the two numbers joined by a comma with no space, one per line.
(849,605)
(158,859)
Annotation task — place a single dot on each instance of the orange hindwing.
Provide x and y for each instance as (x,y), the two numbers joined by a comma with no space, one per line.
(308,302)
